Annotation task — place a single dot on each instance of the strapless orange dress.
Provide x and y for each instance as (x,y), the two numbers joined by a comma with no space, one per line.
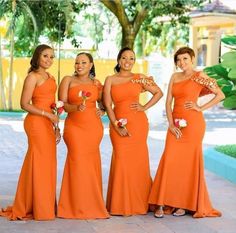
(179,180)
(129,181)
(36,192)
(81,191)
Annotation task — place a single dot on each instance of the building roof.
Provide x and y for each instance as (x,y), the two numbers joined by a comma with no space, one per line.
(214,7)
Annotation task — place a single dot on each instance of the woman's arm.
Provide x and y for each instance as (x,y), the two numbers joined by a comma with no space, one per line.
(169,100)
(26,96)
(63,96)
(108,105)
(219,95)
(156,96)
(100,108)
(108,100)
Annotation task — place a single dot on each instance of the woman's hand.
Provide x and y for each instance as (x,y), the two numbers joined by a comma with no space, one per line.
(137,107)
(52,117)
(176,131)
(100,112)
(123,132)
(191,105)
(58,135)
(81,107)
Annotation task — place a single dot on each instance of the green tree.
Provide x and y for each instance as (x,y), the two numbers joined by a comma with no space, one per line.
(29,20)
(132,14)
(2,90)
(16,8)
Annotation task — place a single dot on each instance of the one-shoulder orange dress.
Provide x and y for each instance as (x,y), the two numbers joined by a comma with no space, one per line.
(81,191)
(130,180)
(179,180)
(36,192)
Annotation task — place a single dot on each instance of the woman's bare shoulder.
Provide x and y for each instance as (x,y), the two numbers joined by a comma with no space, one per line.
(175,76)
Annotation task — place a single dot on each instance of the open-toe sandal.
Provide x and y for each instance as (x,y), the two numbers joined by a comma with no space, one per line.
(179,212)
(159,213)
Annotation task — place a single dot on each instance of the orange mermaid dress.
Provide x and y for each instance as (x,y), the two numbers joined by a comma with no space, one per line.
(81,191)
(130,180)
(36,192)
(179,180)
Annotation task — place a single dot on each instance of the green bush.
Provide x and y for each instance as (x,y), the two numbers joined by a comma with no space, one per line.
(225,73)
(227,149)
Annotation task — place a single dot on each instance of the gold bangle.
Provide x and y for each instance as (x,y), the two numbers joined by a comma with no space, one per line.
(43,113)
(115,122)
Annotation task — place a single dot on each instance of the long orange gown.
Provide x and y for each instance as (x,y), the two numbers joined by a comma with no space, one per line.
(81,192)
(179,180)
(36,192)
(130,180)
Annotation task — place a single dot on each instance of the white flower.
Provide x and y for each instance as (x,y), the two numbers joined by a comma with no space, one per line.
(59,104)
(123,121)
(182,123)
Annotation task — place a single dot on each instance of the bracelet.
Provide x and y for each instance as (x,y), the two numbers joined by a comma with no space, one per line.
(115,122)
(43,113)
(102,109)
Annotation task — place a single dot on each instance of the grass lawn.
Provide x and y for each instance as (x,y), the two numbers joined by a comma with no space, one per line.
(227,149)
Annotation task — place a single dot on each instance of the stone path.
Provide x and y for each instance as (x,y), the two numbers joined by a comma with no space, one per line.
(221,129)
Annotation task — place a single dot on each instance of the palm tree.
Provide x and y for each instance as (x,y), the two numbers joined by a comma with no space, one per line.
(3,98)
(17,9)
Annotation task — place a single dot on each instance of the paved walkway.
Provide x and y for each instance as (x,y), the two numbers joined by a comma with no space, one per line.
(221,129)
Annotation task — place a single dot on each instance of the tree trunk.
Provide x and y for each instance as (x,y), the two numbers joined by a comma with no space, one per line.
(10,92)
(3,99)
(11,72)
(129,27)
(128,37)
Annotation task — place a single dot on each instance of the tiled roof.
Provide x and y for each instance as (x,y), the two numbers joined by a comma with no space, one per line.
(214,7)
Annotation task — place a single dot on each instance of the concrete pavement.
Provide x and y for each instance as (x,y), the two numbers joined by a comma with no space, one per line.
(221,126)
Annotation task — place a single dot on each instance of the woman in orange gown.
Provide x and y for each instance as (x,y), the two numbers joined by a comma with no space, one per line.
(36,192)
(81,192)
(179,183)
(130,180)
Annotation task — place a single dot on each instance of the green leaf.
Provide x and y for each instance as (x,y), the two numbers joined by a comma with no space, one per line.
(217,71)
(229,60)
(224,82)
(233,92)
(232,74)
(229,40)
(225,85)
(230,102)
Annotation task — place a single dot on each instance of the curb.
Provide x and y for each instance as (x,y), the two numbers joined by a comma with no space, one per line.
(221,164)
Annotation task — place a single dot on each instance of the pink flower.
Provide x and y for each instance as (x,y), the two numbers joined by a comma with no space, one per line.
(84,95)
(122,122)
(180,123)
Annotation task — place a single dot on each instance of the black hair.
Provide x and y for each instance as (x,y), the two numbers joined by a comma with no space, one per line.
(92,73)
(117,67)
(34,62)
(183,50)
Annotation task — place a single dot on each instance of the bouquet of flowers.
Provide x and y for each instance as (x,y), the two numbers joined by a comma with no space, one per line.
(84,95)
(180,123)
(58,107)
(122,123)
